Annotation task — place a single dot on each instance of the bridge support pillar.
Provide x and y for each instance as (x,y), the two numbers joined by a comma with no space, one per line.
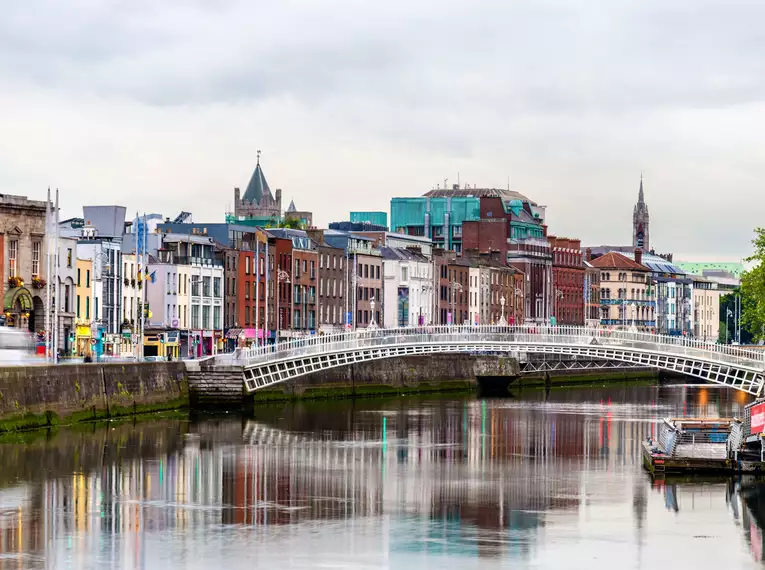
(494,385)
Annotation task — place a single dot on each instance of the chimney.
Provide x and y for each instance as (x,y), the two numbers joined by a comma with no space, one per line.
(588,254)
(639,256)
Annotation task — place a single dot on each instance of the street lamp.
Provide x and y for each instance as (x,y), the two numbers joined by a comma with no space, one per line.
(502,321)
(372,324)
(516,292)
(423,290)
(281,277)
(558,295)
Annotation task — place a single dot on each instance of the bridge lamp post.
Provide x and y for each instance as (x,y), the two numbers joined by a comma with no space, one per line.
(502,321)
(516,292)
(372,324)
(558,295)
(728,315)
(424,289)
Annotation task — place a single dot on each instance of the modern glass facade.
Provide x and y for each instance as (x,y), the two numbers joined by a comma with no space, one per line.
(438,218)
(376,218)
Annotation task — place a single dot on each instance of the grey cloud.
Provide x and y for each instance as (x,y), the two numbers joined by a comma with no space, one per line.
(565,97)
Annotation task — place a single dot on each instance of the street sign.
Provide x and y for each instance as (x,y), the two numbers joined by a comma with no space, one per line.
(174,323)
(93,342)
(134,338)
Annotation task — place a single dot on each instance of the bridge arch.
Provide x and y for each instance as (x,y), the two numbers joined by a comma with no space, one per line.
(722,364)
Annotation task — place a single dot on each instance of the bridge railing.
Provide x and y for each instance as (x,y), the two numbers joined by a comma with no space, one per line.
(569,335)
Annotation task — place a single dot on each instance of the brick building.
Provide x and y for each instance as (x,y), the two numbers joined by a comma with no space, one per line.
(515,229)
(568,281)
(441,261)
(369,287)
(333,275)
(500,281)
(305,261)
(280,290)
(592,292)
(364,274)
(457,289)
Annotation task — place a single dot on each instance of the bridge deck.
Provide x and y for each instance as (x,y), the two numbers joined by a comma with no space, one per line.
(724,364)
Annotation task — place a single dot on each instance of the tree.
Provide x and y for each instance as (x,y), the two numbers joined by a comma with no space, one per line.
(753,290)
(289,223)
(728,303)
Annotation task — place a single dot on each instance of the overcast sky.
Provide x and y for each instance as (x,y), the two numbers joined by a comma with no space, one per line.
(161,106)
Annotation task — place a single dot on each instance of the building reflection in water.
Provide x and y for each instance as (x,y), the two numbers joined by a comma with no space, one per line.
(465,478)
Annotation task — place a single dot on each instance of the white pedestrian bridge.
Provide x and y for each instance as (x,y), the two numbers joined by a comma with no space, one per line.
(722,364)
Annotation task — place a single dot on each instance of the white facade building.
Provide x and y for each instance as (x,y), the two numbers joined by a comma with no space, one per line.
(408,288)
(64,293)
(189,268)
(706,309)
(474,295)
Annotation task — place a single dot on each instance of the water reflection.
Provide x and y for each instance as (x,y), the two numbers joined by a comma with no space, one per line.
(544,480)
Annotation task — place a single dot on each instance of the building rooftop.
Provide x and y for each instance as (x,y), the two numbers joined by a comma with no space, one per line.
(615,260)
(456,192)
(700,267)
(656,263)
(402,254)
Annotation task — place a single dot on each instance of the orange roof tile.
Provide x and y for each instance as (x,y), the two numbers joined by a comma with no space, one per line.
(614,260)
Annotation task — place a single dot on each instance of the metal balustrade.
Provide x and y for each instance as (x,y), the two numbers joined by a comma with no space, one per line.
(725,364)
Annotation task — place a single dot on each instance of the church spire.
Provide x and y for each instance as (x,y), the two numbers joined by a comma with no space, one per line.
(640,221)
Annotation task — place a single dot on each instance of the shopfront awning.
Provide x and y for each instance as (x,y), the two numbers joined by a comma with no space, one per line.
(18,298)
(233,333)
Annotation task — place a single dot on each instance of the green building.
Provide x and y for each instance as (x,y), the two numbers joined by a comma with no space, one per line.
(439,214)
(375,218)
(699,267)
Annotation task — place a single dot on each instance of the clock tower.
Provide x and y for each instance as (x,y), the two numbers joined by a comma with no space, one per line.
(640,222)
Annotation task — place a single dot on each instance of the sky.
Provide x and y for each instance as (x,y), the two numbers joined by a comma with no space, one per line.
(161,106)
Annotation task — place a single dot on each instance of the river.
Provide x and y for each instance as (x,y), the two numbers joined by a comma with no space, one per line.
(537,480)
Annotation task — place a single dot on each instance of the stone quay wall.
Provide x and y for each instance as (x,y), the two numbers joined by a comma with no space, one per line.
(33,396)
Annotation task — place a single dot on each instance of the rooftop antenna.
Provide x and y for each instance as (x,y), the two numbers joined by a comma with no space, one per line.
(508,184)
(458,179)
(445,181)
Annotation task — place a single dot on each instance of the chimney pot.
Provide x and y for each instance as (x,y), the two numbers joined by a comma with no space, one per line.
(639,256)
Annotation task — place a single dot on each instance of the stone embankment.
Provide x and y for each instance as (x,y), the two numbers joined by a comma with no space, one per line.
(39,396)
(36,396)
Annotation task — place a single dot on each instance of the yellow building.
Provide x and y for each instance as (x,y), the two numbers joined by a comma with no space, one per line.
(706,309)
(83,306)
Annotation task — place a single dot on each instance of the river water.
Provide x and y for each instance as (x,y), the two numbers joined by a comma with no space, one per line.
(533,481)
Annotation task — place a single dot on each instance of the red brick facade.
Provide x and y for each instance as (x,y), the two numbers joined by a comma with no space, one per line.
(568,280)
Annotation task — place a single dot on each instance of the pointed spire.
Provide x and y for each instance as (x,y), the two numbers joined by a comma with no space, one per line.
(640,193)
(258,187)
(292,207)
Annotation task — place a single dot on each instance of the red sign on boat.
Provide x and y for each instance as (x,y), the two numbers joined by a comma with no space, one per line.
(758,419)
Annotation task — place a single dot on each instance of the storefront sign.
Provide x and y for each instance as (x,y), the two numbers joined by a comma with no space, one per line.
(758,419)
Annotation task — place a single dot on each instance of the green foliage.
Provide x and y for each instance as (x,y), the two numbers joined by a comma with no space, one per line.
(753,290)
(289,223)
